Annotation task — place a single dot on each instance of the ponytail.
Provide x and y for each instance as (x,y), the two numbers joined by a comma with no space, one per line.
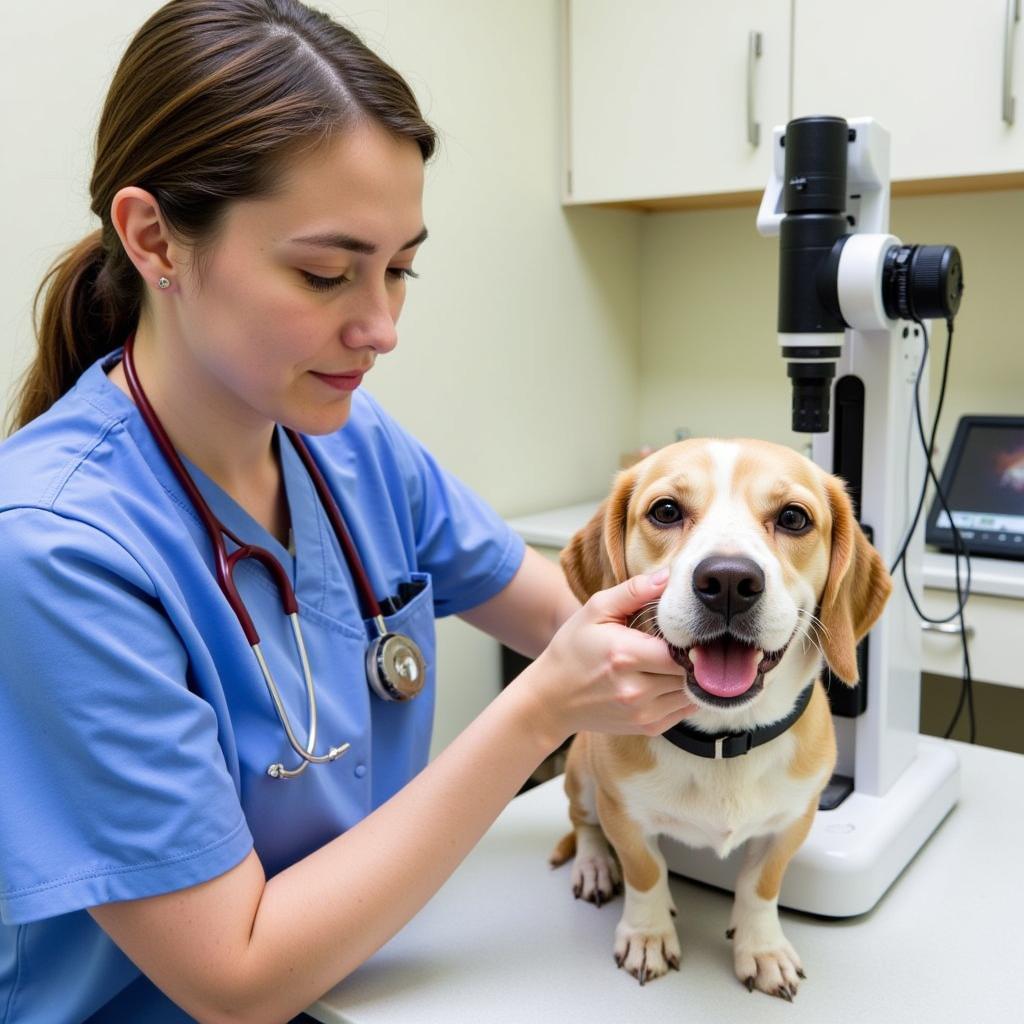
(89,305)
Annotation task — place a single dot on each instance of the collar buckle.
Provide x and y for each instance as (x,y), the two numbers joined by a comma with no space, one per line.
(734,745)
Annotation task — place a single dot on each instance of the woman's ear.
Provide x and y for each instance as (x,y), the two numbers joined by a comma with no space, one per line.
(595,558)
(857,587)
(140,225)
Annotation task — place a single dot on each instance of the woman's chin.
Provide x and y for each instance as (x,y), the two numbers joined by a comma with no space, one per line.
(320,421)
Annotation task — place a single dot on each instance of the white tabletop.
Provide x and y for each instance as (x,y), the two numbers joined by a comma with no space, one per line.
(504,940)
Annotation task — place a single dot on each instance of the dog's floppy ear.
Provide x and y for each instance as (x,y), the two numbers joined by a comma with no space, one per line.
(856,590)
(595,558)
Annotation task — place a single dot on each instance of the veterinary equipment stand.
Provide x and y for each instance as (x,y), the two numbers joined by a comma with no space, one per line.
(845,286)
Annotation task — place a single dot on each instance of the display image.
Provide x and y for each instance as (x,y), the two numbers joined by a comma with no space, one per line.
(988,489)
(984,482)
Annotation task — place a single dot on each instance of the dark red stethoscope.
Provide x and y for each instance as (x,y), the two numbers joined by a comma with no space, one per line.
(395,667)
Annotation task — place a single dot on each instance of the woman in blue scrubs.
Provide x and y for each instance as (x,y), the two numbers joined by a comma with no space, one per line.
(258,180)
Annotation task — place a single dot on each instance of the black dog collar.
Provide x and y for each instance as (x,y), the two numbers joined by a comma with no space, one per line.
(734,744)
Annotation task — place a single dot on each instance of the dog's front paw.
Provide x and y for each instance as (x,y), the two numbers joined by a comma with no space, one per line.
(596,876)
(776,971)
(646,953)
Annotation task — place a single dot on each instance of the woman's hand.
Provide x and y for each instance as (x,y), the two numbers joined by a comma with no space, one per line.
(600,675)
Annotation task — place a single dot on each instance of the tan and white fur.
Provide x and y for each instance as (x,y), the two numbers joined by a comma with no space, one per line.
(823,588)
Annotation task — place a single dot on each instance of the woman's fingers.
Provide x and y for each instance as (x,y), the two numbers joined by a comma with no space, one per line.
(621,602)
(648,653)
(671,710)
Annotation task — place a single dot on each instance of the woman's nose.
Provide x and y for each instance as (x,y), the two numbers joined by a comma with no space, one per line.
(373,324)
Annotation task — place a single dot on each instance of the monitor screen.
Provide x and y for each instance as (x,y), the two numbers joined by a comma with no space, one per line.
(984,485)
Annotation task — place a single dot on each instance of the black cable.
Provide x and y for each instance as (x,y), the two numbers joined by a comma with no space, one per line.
(962,594)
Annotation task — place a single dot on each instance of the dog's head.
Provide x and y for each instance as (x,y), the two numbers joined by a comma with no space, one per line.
(768,565)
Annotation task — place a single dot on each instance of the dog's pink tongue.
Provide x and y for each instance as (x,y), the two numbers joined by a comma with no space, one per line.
(725,668)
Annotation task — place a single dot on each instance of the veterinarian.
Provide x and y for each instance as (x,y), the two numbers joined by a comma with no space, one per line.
(174,845)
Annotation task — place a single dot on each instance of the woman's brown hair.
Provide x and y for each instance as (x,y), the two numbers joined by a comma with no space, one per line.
(210,100)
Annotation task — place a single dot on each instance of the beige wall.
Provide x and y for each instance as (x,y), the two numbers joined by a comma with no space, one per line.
(709,357)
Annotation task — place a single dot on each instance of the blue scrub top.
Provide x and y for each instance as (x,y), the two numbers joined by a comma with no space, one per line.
(135,724)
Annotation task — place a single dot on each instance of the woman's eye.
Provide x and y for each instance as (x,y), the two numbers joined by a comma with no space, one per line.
(321,284)
(402,273)
(794,519)
(665,513)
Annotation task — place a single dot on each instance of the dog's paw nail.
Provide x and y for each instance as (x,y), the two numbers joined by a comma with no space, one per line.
(673,962)
(642,976)
(619,960)
(800,973)
(730,933)
(783,993)
(598,901)
(672,911)
(750,984)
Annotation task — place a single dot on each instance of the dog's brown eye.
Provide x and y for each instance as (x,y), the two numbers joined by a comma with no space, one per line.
(794,519)
(665,513)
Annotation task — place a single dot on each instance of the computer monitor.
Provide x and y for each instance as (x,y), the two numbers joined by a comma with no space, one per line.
(983,480)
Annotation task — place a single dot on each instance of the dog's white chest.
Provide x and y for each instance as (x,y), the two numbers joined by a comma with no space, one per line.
(718,804)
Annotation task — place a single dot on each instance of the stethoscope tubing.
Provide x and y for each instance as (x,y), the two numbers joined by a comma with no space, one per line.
(225,565)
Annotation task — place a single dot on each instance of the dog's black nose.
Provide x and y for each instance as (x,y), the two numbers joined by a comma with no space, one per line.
(728,584)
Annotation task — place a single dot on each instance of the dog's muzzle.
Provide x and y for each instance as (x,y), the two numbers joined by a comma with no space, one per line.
(725,670)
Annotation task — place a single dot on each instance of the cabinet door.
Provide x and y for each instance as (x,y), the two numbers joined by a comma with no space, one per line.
(658,96)
(930,71)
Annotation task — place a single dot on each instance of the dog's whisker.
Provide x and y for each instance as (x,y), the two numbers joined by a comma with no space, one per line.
(645,616)
(818,624)
(645,611)
(815,627)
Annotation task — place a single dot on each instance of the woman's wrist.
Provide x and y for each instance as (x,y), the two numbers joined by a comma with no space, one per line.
(541,718)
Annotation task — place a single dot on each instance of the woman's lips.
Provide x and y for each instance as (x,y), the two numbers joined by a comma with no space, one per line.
(340,381)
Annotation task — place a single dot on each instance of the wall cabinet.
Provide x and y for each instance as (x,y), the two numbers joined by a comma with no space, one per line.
(673,99)
(939,75)
(671,103)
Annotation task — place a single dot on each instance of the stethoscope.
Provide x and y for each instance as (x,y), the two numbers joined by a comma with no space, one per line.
(395,667)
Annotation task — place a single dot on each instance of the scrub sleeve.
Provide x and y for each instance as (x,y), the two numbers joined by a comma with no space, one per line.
(122,789)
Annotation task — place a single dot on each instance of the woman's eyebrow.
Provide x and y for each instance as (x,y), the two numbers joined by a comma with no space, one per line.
(339,240)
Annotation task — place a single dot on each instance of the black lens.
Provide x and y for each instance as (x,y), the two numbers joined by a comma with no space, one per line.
(812,394)
(922,282)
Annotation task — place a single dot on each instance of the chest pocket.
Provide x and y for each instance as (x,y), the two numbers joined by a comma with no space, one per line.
(401,731)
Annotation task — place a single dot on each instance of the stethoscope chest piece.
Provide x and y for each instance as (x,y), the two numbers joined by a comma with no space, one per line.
(395,667)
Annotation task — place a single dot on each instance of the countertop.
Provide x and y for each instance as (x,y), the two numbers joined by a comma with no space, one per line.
(504,942)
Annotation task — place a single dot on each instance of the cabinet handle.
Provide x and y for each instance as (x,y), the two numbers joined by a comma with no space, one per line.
(948,628)
(1012,17)
(753,52)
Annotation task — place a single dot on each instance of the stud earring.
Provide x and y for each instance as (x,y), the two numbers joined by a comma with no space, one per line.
(164,283)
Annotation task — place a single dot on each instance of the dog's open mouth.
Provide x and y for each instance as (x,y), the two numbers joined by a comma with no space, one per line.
(726,670)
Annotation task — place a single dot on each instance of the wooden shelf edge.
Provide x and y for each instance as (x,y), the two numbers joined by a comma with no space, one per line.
(734,200)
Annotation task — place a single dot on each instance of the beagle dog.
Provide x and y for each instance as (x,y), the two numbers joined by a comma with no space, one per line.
(769,574)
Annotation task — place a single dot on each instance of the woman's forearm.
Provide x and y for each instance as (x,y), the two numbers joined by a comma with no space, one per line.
(528,612)
(324,916)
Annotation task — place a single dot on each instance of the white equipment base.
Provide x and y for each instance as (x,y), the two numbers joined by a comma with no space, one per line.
(855,852)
